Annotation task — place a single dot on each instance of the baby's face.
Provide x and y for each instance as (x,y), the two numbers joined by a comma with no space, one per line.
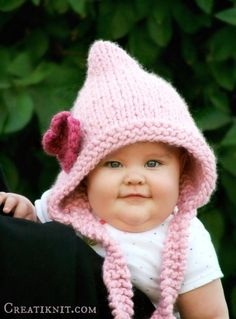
(136,187)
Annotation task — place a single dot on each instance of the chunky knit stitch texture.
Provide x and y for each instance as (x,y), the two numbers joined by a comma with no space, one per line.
(119,104)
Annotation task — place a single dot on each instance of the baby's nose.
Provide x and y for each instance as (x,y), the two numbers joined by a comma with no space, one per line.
(133,178)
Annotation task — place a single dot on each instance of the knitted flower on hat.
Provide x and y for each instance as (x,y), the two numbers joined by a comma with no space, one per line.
(120,104)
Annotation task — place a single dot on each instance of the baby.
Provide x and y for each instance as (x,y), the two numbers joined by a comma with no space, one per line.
(134,170)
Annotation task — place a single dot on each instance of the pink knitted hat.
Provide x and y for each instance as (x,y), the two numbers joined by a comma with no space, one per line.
(120,104)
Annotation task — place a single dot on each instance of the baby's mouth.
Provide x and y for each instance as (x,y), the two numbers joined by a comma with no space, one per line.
(134,195)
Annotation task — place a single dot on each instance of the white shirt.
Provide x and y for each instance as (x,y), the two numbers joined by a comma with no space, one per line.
(143,255)
(142,252)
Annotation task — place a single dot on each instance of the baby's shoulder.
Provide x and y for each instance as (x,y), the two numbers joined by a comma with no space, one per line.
(197,232)
(202,262)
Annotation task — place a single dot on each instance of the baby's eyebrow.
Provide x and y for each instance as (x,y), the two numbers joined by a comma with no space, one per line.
(111,158)
(160,155)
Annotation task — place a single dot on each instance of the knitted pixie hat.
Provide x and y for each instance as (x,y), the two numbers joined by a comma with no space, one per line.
(120,104)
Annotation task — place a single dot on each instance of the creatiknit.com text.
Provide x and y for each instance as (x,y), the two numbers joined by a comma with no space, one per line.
(10,308)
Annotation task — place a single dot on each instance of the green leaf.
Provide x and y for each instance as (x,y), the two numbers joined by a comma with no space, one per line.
(209,118)
(21,65)
(36,2)
(37,44)
(222,44)
(4,81)
(161,10)
(4,59)
(214,222)
(142,9)
(60,6)
(3,112)
(224,73)
(205,5)
(228,260)
(218,98)
(187,20)
(227,159)
(140,46)
(49,101)
(230,137)
(56,93)
(228,16)
(37,76)
(4,63)
(79,6)
(228,181)
(115,20)
(189,50)
(160,32)
(10,172)
(57,28)
(9,5)
(20,109)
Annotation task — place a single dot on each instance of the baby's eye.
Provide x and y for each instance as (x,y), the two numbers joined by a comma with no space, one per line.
(113,164)
(152,163)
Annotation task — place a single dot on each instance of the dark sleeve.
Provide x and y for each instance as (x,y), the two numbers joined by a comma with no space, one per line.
(48,265)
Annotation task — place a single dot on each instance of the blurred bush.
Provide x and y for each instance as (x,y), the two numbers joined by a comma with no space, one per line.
(43,48)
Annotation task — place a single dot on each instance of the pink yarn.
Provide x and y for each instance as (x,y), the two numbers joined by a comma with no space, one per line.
(63,139)
(120,104)
(116,274)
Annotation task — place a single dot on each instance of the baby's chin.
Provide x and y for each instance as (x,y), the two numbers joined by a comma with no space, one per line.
(135,224)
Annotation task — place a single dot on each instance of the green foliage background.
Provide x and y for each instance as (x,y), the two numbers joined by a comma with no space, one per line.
(43,48)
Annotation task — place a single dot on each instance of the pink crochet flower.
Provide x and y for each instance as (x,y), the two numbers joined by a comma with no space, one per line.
(62,139)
